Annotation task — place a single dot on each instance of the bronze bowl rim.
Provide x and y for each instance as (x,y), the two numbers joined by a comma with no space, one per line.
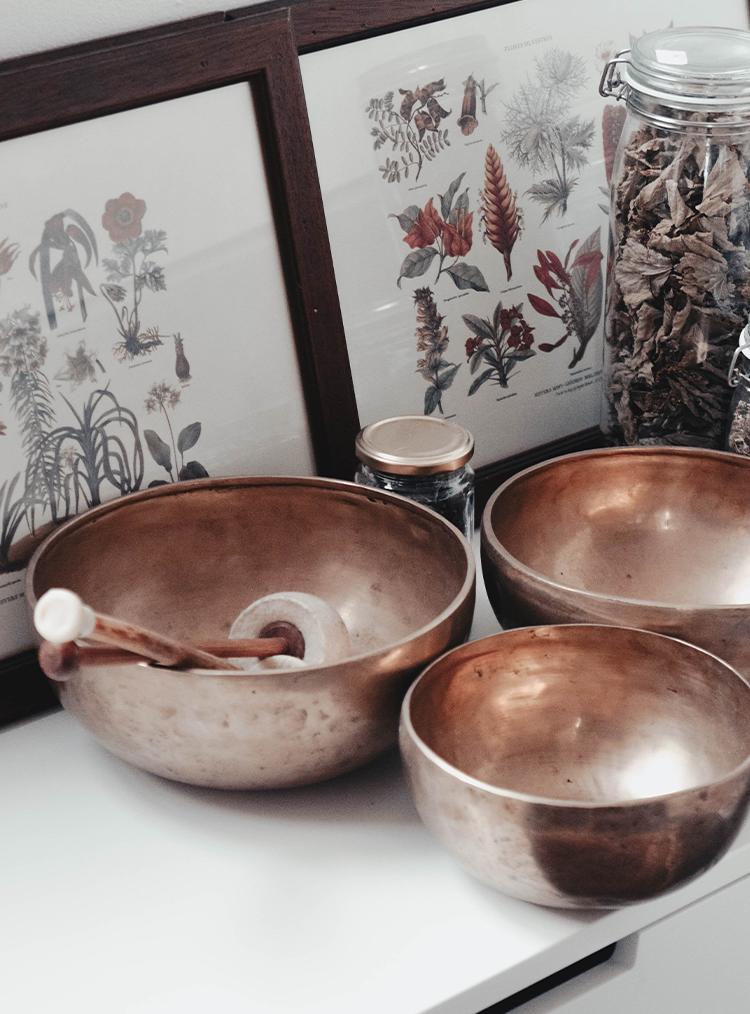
(181,488)
(525,797)
(490,539)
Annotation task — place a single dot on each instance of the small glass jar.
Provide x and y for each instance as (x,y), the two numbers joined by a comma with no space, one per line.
(678,289)
(423,458)
(738,422)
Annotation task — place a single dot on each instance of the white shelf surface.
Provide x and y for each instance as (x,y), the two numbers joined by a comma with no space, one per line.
(124,893)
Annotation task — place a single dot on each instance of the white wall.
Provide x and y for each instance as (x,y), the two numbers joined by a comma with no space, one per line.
(30,26)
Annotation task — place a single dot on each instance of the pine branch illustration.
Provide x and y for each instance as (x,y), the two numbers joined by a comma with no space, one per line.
(501,218)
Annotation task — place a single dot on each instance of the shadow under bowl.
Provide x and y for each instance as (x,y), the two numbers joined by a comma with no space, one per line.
(656,538)
(186,559)
(580,766)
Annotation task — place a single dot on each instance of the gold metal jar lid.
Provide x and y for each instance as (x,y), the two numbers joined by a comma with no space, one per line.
(414,445)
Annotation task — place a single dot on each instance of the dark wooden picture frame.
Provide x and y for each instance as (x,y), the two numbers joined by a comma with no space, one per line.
(79,83)
(260,45)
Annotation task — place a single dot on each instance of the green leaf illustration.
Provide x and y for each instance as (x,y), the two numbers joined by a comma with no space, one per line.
(446,199)
(518,355)
(159,450)
(481,379)
(466,276)
(416,263)
(480,327)
(188,437)
(462,204)
(431,399)
(447,375)
(408,217)
(588,285)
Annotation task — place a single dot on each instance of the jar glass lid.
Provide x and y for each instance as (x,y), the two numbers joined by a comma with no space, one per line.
(414,445)
(703,65)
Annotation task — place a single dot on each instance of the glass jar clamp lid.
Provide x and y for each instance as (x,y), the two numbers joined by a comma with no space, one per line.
(691,69)
(414,445)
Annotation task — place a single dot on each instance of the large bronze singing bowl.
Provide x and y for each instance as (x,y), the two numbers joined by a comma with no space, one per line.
(186,559)
(580,766)
(650,537)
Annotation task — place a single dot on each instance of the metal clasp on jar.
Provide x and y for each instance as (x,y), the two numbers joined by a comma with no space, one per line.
(611,86)
(734,373)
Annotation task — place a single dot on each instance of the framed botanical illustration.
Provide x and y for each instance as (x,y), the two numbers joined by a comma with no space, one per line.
(465,174)
(167,303)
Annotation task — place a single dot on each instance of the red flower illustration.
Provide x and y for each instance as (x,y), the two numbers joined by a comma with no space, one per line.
(3,428)
(122,217)
(457,238)
(427,228)
(472,344)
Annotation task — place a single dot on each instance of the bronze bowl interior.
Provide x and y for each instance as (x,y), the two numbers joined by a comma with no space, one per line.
(648,537)
(186,559)
(580,765)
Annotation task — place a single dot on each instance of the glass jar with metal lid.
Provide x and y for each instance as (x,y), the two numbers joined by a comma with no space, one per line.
(423,458)
(679,262)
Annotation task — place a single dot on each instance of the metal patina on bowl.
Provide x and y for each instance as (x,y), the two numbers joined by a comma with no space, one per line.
(580,766)
(186,559)
(656,538)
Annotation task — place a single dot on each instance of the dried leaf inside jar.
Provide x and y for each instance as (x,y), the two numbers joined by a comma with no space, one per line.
(679,285)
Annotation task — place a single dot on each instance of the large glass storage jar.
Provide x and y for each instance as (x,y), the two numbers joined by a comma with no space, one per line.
(678,288)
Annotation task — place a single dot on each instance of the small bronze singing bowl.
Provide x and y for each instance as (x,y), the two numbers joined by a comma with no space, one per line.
(656,538)
(186,559)
(580,766)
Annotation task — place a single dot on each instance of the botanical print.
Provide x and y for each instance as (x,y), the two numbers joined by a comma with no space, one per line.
(76,452)
(501,218)
(413,129)
(542,134)
(432,339)
(499,343)
(132,266)
(161,397)
(446,237)
(67,465)
(577,288)
(57,282)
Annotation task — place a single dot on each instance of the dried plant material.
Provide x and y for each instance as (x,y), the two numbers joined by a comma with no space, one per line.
(680,285)
(501,219)
(432,339)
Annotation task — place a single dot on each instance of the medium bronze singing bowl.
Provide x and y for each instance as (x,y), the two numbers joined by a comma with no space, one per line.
(650,537)
(186,559)
(580,766)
